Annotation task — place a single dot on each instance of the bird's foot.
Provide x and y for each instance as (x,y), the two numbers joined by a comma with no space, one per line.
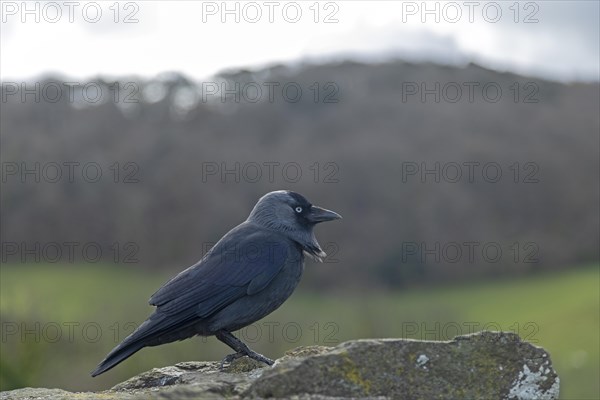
(251,354)
(230,358)
(259,357)
(241,349)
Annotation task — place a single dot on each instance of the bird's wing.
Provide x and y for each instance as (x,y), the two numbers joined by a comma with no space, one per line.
(242,263)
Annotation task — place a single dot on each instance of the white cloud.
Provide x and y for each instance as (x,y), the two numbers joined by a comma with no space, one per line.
(178,36)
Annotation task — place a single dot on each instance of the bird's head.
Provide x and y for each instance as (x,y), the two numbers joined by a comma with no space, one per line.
(292,214)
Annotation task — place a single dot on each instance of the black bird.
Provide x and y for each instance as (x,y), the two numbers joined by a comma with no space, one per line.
(248,274)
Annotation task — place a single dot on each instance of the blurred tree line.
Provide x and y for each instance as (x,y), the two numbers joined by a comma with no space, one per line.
(434,168)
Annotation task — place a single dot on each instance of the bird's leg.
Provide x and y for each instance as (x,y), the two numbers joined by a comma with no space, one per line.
(240,348)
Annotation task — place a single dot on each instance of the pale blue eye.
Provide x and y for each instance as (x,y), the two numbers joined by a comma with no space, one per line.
(298,209)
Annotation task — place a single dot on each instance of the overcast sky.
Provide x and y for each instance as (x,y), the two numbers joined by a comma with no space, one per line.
(552,39)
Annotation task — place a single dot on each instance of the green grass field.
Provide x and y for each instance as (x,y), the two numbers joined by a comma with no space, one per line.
(58,322)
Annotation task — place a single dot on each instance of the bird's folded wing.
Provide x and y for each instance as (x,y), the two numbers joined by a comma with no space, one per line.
(242,263)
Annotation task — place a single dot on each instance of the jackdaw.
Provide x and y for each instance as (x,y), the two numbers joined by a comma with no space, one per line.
(248,274)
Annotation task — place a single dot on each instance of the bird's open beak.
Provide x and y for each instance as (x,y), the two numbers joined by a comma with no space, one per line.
(318,214)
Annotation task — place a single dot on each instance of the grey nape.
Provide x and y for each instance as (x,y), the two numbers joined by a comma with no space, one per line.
(248,274)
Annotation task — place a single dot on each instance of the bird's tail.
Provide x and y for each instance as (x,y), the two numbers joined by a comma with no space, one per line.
(118,354)
(159,328)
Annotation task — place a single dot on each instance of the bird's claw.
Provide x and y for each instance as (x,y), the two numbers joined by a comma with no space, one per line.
(259,357)
(251,354)
(230,358)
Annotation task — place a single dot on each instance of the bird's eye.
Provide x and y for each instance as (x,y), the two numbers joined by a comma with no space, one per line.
(298,209)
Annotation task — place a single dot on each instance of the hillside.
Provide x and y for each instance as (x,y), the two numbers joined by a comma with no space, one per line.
(441,173)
